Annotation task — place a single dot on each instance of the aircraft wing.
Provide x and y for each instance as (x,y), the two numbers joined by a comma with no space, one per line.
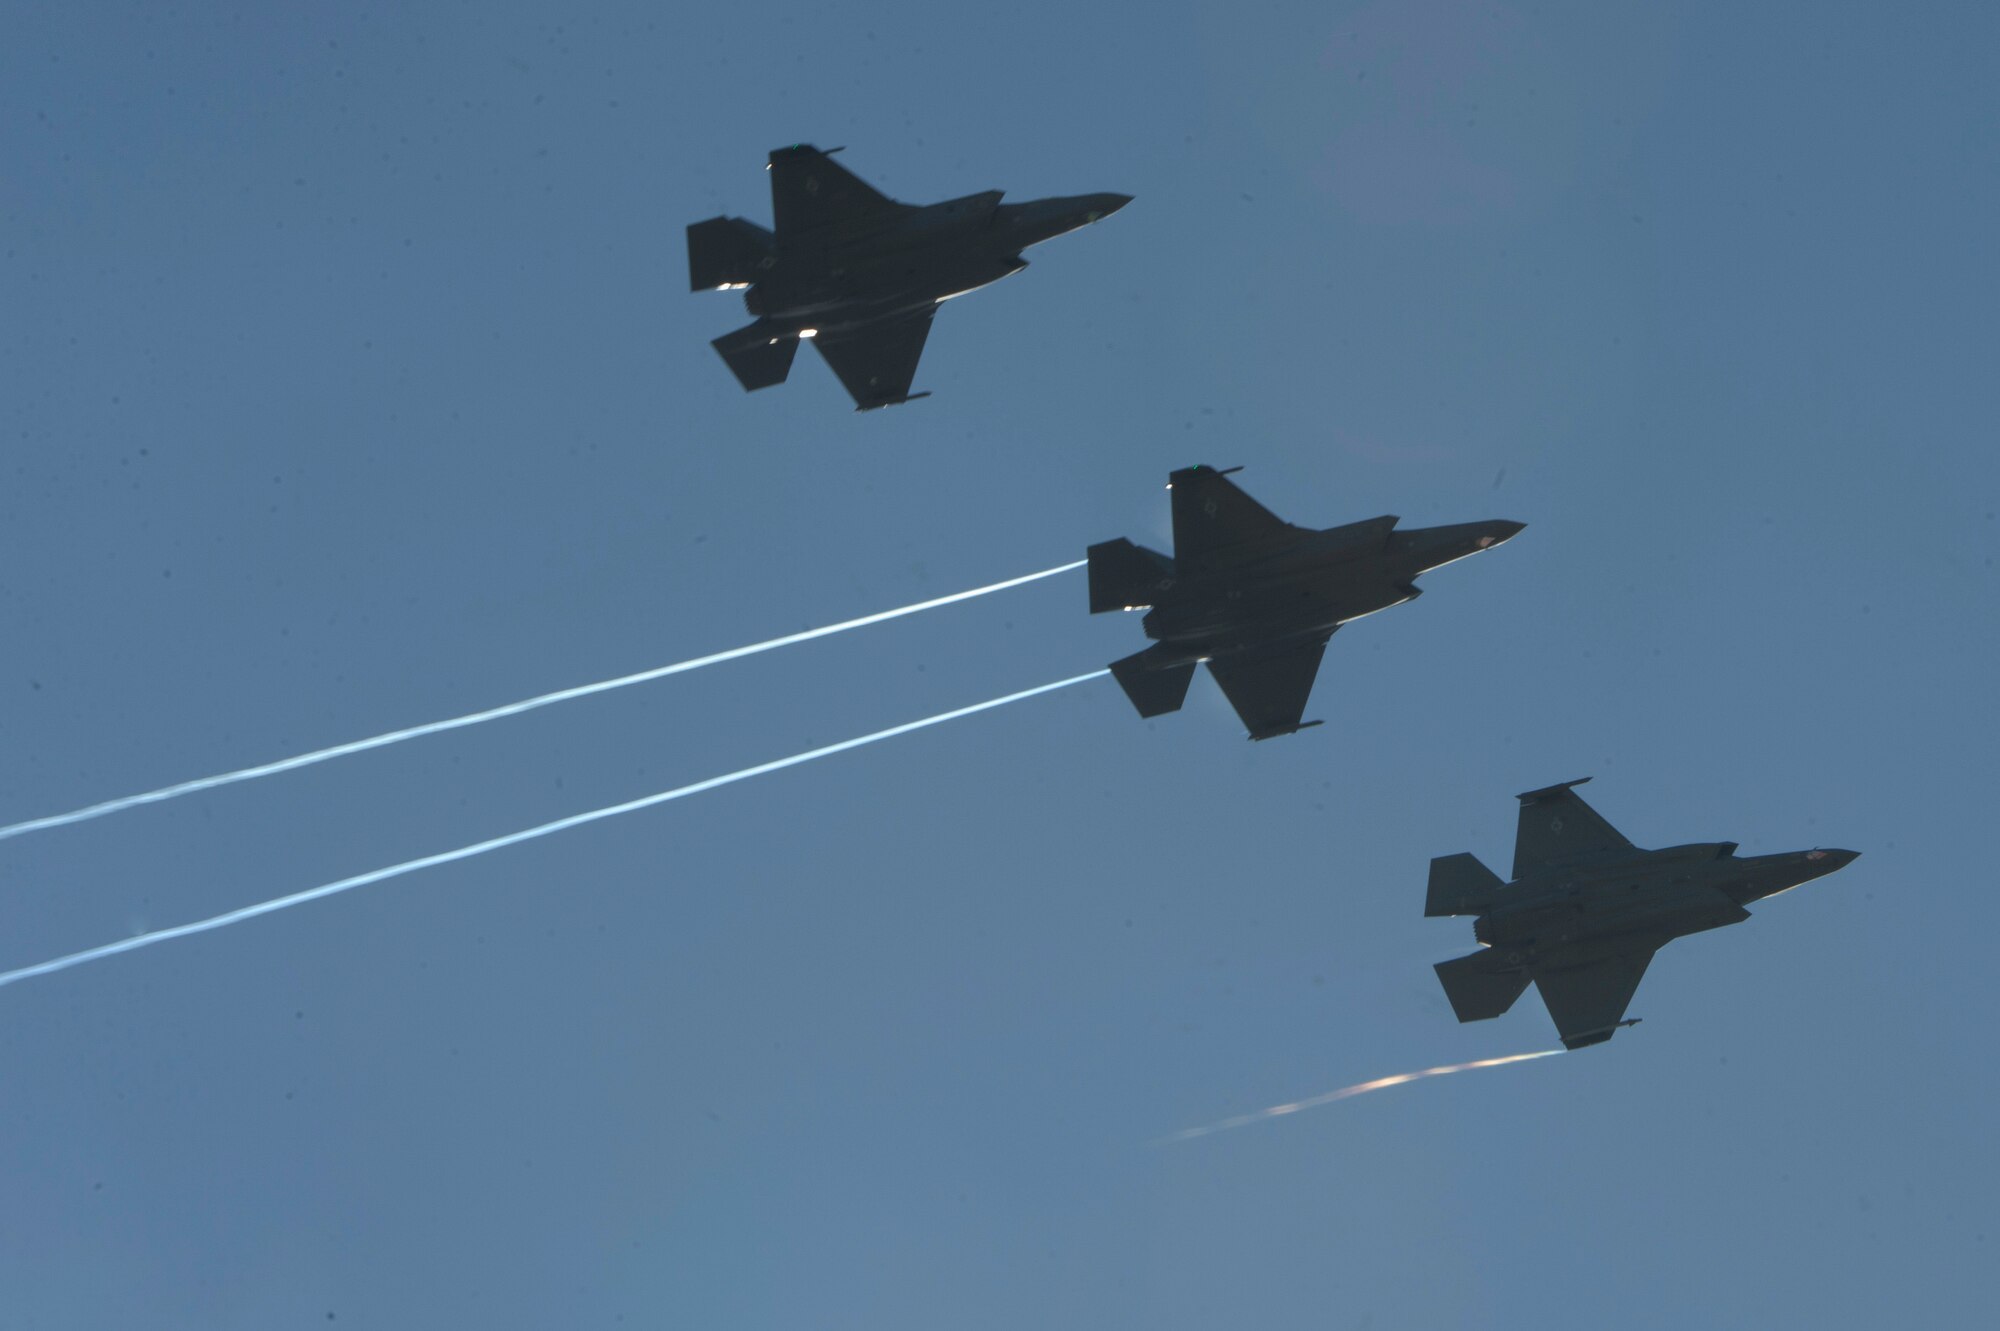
(877,361)
(1269,687)
(1557,825)
(809,190)
(1588,1002)
(1211,515)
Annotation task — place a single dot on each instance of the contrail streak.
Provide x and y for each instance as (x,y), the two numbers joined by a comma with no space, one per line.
(1344,1093)
(510,709)
(241,914)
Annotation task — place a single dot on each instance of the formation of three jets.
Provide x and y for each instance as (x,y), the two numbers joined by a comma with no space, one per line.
(860,276)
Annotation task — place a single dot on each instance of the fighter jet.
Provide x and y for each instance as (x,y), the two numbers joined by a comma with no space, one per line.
(858,274)
(1587,910)
(1258,598)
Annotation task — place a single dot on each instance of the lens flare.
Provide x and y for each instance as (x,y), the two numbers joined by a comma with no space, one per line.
(1344,1093)
(383,741)
(276,904)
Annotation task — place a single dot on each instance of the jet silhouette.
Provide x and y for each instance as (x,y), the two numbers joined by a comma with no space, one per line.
(860,275)
(1587,910)
(1258,598)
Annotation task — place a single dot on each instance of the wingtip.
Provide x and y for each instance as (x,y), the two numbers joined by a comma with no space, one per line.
(891,401)
(1530,796)
(1199,471)
(1275,732)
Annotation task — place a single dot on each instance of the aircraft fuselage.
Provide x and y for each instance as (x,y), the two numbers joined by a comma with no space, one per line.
(842,275)
(1572,914)
(1306,585)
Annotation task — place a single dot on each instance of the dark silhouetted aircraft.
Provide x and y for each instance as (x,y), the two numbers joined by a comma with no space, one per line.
(1257,598)
(858,274)
(1587,910)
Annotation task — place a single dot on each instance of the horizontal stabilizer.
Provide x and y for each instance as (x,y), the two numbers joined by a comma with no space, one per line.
(1124,576)
(1478,987)
(759,355)
(1461,885)
(1153,689)
(726,252)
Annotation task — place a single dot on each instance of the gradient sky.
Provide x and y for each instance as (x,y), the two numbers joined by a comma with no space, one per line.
(349,380)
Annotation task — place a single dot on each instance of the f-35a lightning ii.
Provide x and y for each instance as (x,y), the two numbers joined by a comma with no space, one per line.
(1257,598)
(858,274)
(1587,910)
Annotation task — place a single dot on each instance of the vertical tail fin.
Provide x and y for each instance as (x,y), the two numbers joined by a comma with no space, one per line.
(1461,885)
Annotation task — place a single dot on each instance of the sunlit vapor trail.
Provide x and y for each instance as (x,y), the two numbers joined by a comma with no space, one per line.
(1344,1093)
(509,709)
(241,914)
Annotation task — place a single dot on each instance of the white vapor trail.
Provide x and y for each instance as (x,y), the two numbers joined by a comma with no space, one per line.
(1344,1093)
(275,904)
(509,709)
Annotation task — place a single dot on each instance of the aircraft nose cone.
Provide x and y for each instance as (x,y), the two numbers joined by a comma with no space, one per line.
(1103,205)
(1826,861)
(1498,531)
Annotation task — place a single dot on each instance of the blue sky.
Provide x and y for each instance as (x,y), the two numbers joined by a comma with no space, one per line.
(351,381)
